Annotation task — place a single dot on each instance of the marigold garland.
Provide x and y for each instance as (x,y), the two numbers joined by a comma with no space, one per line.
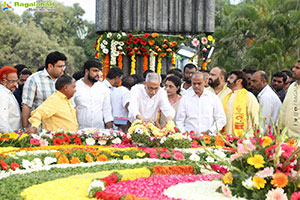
(120,60)
(132,64)
(75,160)
(172,169)
(145,66)
(105,66)
(77,185)
(173,61)
(159,64)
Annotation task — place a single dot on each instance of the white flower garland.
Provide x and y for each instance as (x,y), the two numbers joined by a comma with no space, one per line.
(36,165)
(199,190)
(152,62)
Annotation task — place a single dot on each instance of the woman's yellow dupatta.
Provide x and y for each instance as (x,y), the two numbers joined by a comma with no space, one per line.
(239,111)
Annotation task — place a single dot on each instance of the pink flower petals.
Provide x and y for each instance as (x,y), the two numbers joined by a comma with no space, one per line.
(153,187)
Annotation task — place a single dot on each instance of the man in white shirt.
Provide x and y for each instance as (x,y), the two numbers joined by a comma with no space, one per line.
(10,114)
(268,100)
(188,71)
(147,98)
(113,78)
(120,98)
(200,110)
(92,99)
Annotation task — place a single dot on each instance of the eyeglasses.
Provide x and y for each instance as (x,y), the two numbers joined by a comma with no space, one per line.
(12,81)
(63,67)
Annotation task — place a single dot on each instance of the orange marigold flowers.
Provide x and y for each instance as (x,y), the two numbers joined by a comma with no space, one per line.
(95,152)
(259,182)
(219,142)
(291,141)
(151,42)
(63,160)
(57,154)
(164,46)
(207,139)
(227,178)
(280,180)
(66,151)
(154,35)
(89,158)
(257,161)
(102,158)
(75,160)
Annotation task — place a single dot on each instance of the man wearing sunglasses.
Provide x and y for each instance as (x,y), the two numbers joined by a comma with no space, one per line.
(41,85)
(10,114)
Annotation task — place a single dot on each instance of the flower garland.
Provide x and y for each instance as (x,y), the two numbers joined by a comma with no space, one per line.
(145,64)
(154,44)
(105,66)
(152,62)
(120,60)
(159,64)
(76,186)
(132,64)
(173,61)
(152,187)
(172,169)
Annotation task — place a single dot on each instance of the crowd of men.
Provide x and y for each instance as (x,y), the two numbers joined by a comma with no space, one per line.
(205,102)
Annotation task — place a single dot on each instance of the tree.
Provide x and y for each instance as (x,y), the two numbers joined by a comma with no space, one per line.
(259,34)
(29,38)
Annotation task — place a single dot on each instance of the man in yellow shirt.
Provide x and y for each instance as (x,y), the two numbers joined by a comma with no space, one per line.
(241,106)
(57,111)
(290,111)
(217,82)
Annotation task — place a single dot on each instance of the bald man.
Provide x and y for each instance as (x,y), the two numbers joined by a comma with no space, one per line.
(268,100)
(200,110)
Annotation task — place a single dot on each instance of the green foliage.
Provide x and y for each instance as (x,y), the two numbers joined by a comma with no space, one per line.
(94,191)
(145,140)
(259,34)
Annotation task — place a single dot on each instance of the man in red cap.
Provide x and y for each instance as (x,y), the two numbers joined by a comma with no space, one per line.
(10,114)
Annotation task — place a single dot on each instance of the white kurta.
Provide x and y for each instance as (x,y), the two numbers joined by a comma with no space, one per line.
(92,105)
(200,114)
(10,114)
(119,98)
(142,104)
(270,104)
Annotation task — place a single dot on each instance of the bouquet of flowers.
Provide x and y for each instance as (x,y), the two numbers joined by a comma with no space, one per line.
(263,167)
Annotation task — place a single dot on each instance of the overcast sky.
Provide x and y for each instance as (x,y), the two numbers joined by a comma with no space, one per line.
(87,5)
